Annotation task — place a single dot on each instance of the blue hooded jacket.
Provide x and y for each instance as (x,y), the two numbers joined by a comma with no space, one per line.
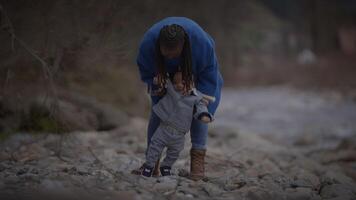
(205,67)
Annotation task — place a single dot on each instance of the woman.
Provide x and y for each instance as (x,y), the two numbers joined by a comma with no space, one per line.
(179,44)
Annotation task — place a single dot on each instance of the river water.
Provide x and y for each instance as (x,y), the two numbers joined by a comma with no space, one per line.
(287,114)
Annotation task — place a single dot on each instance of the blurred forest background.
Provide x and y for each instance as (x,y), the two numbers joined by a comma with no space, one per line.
(86,54)
(285,127)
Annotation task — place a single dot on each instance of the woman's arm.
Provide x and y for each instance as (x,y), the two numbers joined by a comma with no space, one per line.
(207,78)
(146,64)
(145,60)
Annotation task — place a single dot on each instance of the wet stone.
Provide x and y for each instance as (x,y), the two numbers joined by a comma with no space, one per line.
(306,179)
(255,193)
(22,171)
(11,179)
(336,190)
(34,171)
(2,167)
(212,190)
(165,184)
(299,193)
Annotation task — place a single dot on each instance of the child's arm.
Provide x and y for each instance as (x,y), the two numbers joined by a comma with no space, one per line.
(171,90)
(202,112)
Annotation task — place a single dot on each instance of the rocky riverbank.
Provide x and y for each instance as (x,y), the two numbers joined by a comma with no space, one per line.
(240,164)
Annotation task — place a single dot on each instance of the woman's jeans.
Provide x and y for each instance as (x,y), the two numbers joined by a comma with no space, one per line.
(198,131)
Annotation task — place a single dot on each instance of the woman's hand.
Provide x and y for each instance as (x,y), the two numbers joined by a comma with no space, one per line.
(205,101)
(155,80)
(160,91)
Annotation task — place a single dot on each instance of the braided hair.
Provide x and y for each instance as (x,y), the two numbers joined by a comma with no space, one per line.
(170,37)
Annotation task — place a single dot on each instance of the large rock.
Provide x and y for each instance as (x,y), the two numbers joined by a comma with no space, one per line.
(301,193)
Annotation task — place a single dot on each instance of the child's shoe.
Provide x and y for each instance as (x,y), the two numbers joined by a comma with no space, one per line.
(147,171)
(155,172)
(165,171)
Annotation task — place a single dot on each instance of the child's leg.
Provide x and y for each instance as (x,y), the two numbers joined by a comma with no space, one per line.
(174,148)
(153,124)
(154,151)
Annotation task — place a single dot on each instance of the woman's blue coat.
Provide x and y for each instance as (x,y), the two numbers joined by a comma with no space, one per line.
(207,77)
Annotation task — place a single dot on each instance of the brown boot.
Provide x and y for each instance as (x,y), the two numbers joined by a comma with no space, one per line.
(197,164)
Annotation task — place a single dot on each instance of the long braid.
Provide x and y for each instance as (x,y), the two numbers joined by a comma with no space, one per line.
(161,68)
(170,36)
(187,68)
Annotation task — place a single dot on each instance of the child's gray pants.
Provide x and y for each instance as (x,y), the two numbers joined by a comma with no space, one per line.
(165,136)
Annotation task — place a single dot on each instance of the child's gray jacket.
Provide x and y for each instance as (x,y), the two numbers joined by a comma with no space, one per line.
(177,110)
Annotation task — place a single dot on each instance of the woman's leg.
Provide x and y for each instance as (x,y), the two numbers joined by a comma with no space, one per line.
(198,134)
(199,130)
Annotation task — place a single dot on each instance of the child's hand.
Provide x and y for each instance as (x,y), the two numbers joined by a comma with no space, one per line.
(159,84)
(205,118)
(205,101)
(159,92)
(155,80)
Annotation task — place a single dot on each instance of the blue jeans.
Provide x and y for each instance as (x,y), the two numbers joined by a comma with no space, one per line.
(198,131)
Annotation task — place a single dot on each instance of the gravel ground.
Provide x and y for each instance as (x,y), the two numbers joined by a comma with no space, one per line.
(266,143)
